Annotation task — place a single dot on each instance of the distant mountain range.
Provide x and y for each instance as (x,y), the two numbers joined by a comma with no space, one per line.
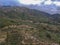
(51,9)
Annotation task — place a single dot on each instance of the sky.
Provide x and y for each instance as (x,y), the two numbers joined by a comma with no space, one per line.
(46,2)
(8,2)
(28,2)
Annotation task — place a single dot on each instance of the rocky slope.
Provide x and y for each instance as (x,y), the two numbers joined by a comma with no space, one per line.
(23,26)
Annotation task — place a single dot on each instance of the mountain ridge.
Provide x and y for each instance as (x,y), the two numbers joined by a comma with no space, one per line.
(51,9)
(21,25)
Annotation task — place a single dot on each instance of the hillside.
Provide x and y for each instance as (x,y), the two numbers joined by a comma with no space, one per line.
(23,26)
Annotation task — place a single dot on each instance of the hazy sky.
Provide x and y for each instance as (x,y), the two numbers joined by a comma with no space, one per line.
(46,2)
(27,2)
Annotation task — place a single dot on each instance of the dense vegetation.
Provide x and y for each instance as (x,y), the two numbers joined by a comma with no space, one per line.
(23,26)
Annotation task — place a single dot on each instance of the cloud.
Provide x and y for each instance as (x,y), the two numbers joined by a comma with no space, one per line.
(57,3)
(45,2)
(48,2)
(30,1)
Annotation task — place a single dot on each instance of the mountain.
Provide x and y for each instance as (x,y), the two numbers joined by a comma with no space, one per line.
(20,26)
(25,11)
(51,9)
(56,17)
